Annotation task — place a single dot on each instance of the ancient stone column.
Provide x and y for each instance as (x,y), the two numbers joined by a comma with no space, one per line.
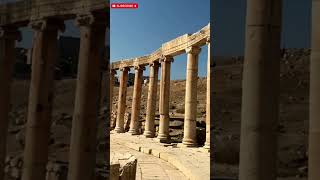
(149,129)
(44,57)
(112,78)
(8,36)
(122,100)
(190,119)
(208,106)
(163,134)
(260,91)
(136,100)
(314,126)
(82,159)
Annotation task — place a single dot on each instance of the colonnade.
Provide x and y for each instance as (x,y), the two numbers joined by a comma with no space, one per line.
(164,61)
(84,124)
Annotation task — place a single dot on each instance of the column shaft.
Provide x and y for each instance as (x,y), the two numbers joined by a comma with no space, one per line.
(7,59)
(122,100)
(189,134)
(82,159)
(112,74)
(45,50)
(314,126)
(260,91)
(208,106)
(151,101)
(163,134)
(136,101)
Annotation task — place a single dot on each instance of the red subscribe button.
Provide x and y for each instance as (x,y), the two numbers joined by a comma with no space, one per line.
(124,5)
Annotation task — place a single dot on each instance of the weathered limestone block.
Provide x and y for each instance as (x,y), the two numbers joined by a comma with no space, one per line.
(114,170)
(129,169)
(123,166)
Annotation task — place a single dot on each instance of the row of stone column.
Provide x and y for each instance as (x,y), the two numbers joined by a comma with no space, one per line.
(164,99)
(84,124)
(260,97)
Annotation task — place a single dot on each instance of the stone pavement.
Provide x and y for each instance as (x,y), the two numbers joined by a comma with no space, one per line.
(156,161)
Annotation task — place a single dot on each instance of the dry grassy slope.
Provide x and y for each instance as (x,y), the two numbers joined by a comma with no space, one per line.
(293,123)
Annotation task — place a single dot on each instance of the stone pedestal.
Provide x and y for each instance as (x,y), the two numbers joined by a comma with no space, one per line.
(260,91)
(122,100)
(136,101)
(208,106)
(314,129)
(8,36)
(149,129)
(44,57)
(189,134)
(163,134)
(82,156)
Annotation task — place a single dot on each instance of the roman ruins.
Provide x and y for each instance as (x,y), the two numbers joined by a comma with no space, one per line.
(46,18)
(164,56)
(260,92)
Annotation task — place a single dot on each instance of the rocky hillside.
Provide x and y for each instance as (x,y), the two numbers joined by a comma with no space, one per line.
(293,123)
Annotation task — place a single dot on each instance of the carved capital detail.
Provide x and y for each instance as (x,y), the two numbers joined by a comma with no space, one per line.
(208,40)
(154,64)
(113,72)
(47,24)
(124,69)
(139,67)
(10,33)
(164,58)
(91,19)
(193,50)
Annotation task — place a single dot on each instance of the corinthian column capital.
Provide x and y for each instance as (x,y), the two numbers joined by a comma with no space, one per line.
(164,58)
(47,24)
(208,40)
(139,67)
(124,69)
(113,72)
(92,19)
(154,64)
(193,50)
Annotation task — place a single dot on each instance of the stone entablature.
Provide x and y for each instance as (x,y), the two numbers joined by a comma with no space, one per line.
(172,48)
(22,12)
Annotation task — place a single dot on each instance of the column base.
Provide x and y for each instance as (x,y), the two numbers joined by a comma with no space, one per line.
(133,132)
(163,138)
(119,130)
(148,134)
(189,142)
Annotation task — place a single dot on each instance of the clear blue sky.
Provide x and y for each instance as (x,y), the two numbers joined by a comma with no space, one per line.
(137,32)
